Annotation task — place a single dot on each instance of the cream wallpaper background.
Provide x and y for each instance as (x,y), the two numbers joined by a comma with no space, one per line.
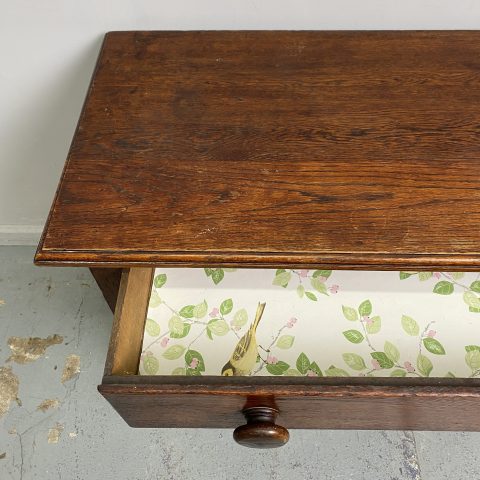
(316,322)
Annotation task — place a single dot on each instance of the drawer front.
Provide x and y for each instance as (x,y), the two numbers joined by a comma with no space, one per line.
(169,401)
(152,402)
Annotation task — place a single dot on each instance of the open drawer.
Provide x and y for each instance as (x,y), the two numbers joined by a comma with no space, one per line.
(405,395)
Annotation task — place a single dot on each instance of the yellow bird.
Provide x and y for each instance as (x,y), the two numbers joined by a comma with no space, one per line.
(244,357)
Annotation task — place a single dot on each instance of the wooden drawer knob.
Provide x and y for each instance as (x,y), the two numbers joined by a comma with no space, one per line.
(260,430)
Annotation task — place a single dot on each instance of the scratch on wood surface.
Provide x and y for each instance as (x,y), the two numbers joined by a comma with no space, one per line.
(48,404)
(55,432)
(8,389)
(71,368)
(28,349)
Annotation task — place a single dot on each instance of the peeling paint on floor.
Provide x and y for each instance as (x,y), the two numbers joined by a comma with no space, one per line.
(409,447)
(29,349)
(71,368)
(48,404)
(55,432)
(3,455)
(8,389)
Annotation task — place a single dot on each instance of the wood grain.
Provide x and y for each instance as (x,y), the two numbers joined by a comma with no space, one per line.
(354,150)
(128,325)
(331,403)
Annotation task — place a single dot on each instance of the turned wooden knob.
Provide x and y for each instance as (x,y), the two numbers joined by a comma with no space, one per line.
(260,430)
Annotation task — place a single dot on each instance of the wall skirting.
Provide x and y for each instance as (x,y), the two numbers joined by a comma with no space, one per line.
(20,234)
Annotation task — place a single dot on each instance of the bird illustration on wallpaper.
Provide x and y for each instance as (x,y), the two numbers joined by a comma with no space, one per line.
(244,356)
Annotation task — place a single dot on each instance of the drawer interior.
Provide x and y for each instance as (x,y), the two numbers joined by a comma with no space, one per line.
(337,395)
(314,323)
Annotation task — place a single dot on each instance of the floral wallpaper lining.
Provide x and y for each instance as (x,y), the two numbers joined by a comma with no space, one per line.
(315,322)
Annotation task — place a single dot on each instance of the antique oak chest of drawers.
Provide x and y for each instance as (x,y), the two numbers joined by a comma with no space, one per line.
(284,156)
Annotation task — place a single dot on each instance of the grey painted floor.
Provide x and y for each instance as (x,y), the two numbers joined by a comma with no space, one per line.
(95,442)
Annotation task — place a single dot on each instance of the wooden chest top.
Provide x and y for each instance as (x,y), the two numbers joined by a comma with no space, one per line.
(342,149)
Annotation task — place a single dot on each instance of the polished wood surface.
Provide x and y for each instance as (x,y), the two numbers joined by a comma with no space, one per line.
(339,149)
(330,403)
(261,431)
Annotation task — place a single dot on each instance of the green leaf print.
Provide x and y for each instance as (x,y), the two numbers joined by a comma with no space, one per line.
(433,346)
(475,286)
(424,276)
(152,327)
(382,359)
(410,326)
(354,361)
(240,318)
(155,300)
(218,327)
(319,286)
(150,365)
(187,311)
(353,336)
(181,333)
(173,352)
(193,354)
(178,371)
(311,296)
(217,275)
(333,371)
(472,359)
(365,308)
(471,300)
(449,375)
(282,279)
(193,372)
(300,291)
(200,310)
(322,273)
(404,275)
(175,325)
(292,372)
(278,368)
(424,365)
(303,363)
(472,348)
(315,368)
(443,288)
(457,275)
(160,280)
(398,373)
(391,351)
(285,341)
(349,313)
(374,325)
(208,271)
(226,306)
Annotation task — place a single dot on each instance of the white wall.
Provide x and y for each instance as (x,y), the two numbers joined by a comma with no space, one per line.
(48,49)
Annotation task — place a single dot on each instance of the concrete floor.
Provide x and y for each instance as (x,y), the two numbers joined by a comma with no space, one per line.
(95,443)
